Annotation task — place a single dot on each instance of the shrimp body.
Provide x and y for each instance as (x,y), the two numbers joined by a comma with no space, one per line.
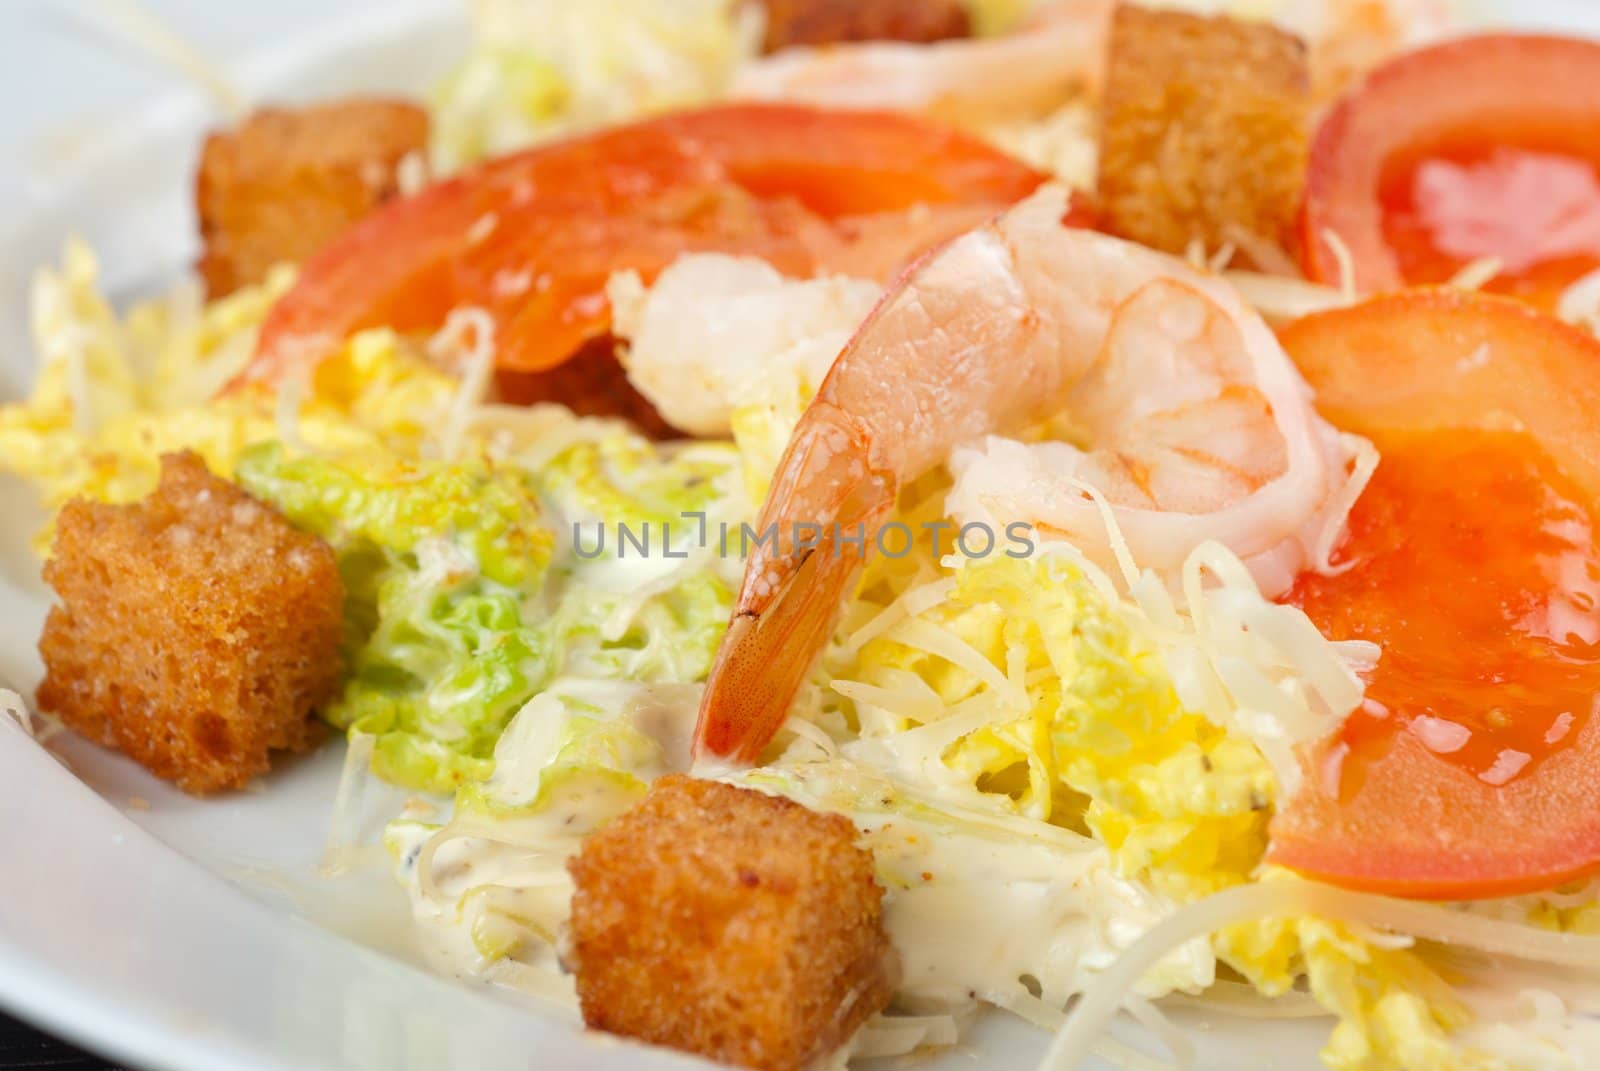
(1197,428)
(1061,50)
(1028,72)
(1350,37)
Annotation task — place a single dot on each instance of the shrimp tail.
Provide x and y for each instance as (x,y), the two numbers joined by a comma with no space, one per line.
(821,517)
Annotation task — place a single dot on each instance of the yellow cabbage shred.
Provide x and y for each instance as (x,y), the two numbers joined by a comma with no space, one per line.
(540,69)
(1098,739)
(1102,740)
(114,394)
(1394,1012)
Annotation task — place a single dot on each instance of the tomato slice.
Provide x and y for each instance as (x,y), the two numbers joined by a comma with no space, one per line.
(1473,769)
(1480,147)
(533,237)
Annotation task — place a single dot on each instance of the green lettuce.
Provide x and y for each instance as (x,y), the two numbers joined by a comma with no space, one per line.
(671,635)
(623,479)
(574,758)
(463,605)
(579,745)
(438,561)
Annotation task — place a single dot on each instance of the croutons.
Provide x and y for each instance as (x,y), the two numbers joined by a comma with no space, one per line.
(196,630)
(1205,133)
(287,180)
(827,22)
(724,922)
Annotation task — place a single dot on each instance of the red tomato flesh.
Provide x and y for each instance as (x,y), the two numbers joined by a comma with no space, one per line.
(1474,567)
(1482,147)
(533,237)
(1473,769)
(1534,210)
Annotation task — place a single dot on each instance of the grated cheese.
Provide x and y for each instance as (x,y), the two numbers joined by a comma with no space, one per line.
(13,705)
(467,341)
(1580,304)
(1478,274)
(1346,261)
(411,173)
(1281,299)
(1290,897)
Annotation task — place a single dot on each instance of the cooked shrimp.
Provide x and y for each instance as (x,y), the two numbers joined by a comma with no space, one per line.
(716,332)
(1061,50)
(1350,37)
(969,80)
(1196,427)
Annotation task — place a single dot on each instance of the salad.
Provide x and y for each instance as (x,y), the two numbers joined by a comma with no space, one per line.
(842,514)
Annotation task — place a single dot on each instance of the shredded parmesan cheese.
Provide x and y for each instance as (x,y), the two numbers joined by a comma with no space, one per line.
(1281,299)
(1267,255)
(1477,275)
(286,411)
(12,704)
(1580,304)
(1346,261)
(467,341)
(1364,462)
(344,836)
(1291,897)
(411,173)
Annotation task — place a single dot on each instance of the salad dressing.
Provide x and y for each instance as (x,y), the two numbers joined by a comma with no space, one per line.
(1473,564)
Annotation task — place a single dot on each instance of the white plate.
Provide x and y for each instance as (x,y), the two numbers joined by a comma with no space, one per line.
(196,935)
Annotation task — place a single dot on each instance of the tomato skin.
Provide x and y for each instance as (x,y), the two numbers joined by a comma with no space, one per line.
(533,237)
(1424,363)
(1456,100)
(1415,361)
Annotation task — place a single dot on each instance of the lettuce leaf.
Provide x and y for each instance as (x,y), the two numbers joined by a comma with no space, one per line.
(439,561)
(545,68)
(625,479)
(464,602)
(115,392)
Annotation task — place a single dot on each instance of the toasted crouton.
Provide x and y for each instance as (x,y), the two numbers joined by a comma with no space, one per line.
(284,182)
(196,630)
(724,922)
(828,22)
(1205,132)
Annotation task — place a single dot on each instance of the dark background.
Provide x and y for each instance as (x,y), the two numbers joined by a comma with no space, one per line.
(23,1047)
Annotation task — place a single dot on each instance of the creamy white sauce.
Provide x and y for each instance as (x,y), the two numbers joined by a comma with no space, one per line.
(496,889)
(982,905)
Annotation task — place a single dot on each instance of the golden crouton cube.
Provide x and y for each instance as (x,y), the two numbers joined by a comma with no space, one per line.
(195,631)
(728,923)
(1204,134)
(828,22)
(286,181)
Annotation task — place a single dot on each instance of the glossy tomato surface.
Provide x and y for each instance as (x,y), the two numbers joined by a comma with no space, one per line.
(1473,768)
